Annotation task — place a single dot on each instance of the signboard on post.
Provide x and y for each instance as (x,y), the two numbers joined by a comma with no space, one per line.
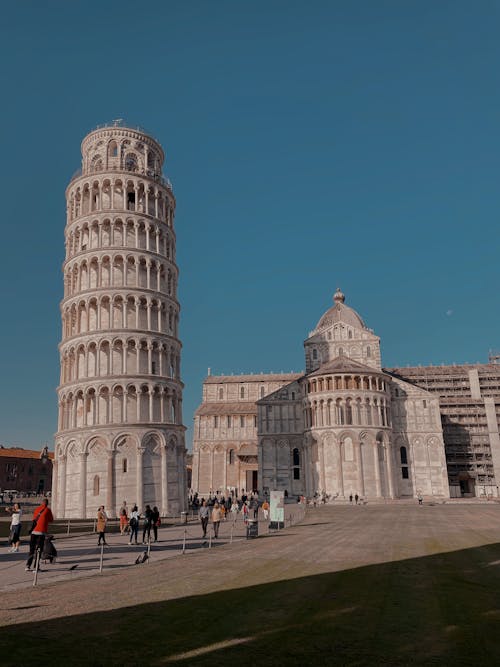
(277,510)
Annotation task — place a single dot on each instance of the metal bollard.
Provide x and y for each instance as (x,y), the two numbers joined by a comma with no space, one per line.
(37,565)
(184,542)
(69,521)
(232,529)
(149,548)
(209,539)
(102,557)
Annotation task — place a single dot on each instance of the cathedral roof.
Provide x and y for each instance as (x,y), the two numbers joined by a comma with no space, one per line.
(345,365)
(227,408)
(339,312)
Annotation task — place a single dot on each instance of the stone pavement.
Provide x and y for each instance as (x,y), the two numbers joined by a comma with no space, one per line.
(79,556)
(331,538)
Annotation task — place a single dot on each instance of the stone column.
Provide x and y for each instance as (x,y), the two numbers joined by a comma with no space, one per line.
(61,487)
(83,485)
(140,454)
(56,483)
(340,471)
(361,478)
(322,474)
(388,450)
(164,480)
(376,463)
(110,487)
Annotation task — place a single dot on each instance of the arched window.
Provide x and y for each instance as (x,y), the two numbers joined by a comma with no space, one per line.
(348,412)
(315,353)
(124,465)
(96,485)
(349,334)
(404,463)
(341,352)
(113,149)
(296,463)
(221,393)
(242,392)
(262,392)
(231,457)
(368,351)
(130,162)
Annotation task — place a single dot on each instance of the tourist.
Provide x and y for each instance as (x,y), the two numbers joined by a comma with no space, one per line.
(420,498)
(123,519)
(350,498)
(265,510)
(134,524)
(156,521)
(356,498)
(203,513)
(234,509)
(148,520)
(42,516)
(15,527)
(244,510)
(216,517)
(101,526)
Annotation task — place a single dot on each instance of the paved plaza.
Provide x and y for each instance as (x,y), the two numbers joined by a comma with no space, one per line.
(330,538)
(409,575)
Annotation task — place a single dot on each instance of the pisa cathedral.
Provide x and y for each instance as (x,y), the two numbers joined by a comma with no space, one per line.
(120,431)
(348,426)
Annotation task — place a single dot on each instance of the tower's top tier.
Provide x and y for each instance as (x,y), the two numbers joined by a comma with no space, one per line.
(117,148)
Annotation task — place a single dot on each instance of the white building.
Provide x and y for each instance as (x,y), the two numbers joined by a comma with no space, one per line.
(343,427)
(120,433)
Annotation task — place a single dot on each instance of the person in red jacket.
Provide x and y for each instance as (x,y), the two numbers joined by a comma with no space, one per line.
(42,516)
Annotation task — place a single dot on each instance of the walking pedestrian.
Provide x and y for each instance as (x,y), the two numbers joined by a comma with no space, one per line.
(15,527)
(42,516)
(356,498)
(102,519)
(350,498)
(265,510)
(134,524)
(156,522)
(203,513)
(148,520)
(216,517)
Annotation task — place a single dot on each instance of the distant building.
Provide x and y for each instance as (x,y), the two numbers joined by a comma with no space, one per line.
(25,470)
(348,426)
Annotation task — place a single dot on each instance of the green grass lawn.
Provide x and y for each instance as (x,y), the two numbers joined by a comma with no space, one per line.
(435,610)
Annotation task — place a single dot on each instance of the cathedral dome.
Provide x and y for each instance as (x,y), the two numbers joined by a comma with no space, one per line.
(339,312)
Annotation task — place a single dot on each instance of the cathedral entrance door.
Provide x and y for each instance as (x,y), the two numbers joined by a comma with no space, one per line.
(252,480)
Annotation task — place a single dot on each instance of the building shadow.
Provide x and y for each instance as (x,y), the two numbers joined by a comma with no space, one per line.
(434,610)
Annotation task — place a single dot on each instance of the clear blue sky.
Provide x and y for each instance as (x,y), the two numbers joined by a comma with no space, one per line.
(310,145)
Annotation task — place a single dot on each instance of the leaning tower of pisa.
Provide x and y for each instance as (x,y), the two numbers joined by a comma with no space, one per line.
(120,433)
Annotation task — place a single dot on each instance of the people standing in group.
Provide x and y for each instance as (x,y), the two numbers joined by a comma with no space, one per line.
(148,520)
(265,510)
(123,518)
(15,527)
(203,513)
(102,519)
(234,509)
(42,516)
(134,524)
(216,517)
(156,522)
